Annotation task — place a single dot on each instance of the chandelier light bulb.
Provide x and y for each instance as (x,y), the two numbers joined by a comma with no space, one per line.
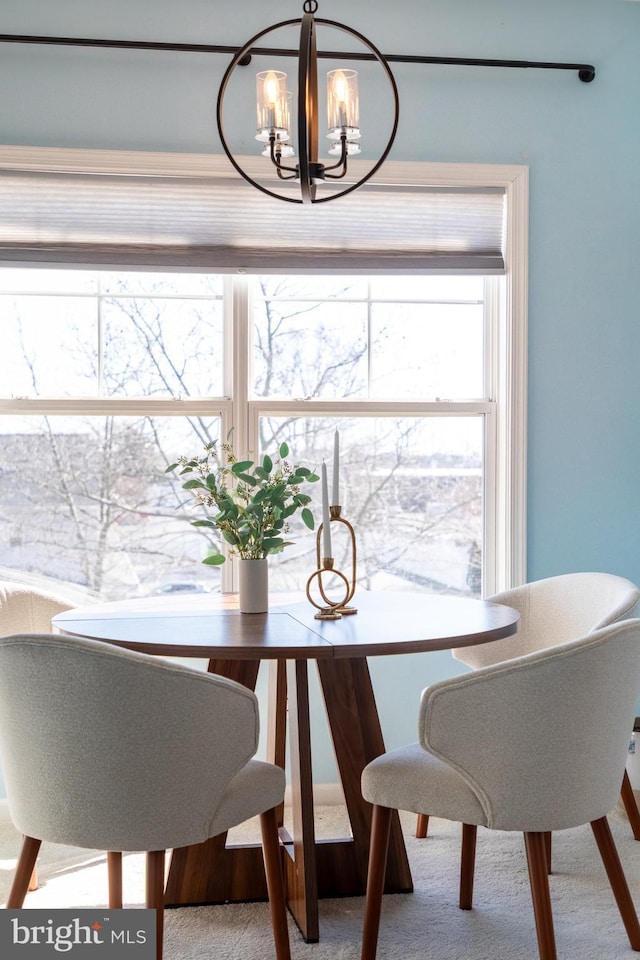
(273,106)
(271,89)
(343,111)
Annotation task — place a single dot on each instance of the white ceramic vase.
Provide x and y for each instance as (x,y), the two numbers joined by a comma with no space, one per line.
(254,585)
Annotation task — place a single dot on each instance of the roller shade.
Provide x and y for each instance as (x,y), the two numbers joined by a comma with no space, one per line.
(164,211)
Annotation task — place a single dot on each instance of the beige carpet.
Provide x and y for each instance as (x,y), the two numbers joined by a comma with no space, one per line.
(425,925)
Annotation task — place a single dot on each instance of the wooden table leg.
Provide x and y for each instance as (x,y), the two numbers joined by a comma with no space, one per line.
(277,720)
(211,872)
(332,867)
(300,850)
(357,739)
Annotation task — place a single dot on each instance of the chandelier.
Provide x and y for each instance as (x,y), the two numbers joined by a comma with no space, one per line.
(274,114)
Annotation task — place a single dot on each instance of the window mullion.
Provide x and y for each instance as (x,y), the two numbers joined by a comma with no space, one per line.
(491,578)
(239,366)
(237,380)
(100,335)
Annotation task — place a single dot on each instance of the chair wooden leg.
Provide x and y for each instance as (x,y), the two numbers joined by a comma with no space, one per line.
(547,847)
(24,872)
(33,882)
(275,883)
(467,865)
(422,825)
(535,844)
(114,871)
(155,893)
(630,805)
(380,828)
(617,879)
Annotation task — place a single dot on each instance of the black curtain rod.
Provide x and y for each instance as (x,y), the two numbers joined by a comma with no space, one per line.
(586,72)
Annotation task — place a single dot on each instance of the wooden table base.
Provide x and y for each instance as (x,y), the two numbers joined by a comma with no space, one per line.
(214,873)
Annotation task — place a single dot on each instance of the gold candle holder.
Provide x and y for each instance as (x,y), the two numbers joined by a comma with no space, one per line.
(332,609)
(343,607)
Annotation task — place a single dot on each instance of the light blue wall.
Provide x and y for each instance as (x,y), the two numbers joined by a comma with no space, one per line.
(581,142)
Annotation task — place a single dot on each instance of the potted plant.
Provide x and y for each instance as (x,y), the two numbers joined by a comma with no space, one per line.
(252,503)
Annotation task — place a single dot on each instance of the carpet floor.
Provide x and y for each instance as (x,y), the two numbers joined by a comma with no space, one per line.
(425,925)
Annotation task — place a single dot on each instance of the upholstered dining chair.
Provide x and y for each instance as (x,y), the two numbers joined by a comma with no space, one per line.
(26,609)
(533,744)
(552,611)
(113,750)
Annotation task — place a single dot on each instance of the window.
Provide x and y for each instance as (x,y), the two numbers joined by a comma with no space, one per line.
(107,377)
(386,361)
(407,332)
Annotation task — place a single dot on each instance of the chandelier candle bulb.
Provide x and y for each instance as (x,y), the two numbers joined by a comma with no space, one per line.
(326,522)
(343,110)
(272,105)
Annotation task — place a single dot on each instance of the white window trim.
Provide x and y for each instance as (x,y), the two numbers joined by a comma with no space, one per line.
(506,406)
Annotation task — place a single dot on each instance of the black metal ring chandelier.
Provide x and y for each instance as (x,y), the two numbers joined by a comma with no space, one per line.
(274,114)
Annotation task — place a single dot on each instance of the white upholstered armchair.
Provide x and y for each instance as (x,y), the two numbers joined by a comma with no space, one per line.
(555,610)
(113,750)
(534,744)
(25,609)
(552,611)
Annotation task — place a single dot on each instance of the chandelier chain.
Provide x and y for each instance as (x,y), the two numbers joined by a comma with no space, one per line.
(310,6)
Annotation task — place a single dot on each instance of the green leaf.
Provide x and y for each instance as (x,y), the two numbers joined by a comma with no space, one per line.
(214,559)
(244,535)
(172,467)
(248,479)
(193,484)
(291,509)
(284,450)
(273,544)
(307,518)
(241,466)
(204,523)
(279,546)
(267,464)
(230,537)
(228,509)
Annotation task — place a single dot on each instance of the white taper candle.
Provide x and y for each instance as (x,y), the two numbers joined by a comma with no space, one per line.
(326,523)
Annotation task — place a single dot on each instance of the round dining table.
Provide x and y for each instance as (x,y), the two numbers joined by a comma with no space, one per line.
(289,636)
